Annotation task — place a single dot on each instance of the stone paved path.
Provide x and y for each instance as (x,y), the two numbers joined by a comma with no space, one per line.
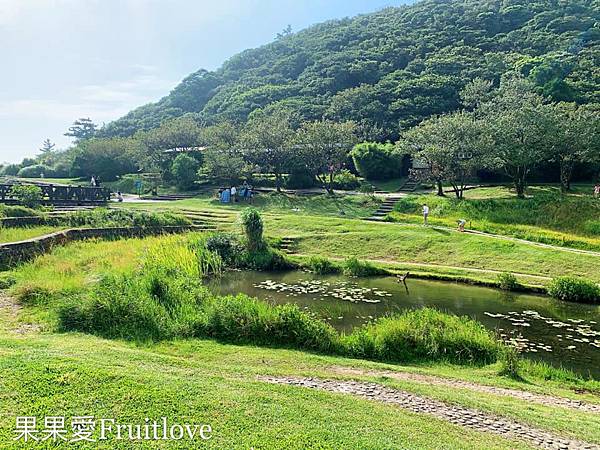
(466,417)
(541,399)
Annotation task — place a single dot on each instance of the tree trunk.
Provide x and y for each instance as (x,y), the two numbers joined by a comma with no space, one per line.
(440,189)
(566,171)
(520,187)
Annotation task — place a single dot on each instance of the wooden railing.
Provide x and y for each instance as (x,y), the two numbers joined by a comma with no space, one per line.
(57,194)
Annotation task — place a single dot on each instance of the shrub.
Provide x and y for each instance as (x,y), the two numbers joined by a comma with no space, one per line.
(36,171)
(184,170)
(346,181)
(17,211)
(103,217)
(424,335)
(508,281)
(253,229)
(320,265)
(574,290)
(366,188)
(353,267)
(265,258)
(227,246)
(377,161)
(27,194)
(10,170)
(31,294)
(300,179)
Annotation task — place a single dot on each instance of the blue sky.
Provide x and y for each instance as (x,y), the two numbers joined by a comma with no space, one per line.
(64,59)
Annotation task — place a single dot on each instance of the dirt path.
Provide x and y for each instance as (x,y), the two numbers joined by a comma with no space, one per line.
(457,415)
(541,399)
(10,309)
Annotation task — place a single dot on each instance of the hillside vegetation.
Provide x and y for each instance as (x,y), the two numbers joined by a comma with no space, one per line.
(393,68)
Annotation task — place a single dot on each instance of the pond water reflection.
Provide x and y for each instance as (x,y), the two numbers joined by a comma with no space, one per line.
(557,332)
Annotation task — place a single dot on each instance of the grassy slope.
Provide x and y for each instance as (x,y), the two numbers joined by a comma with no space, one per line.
(204,382)
(547,216)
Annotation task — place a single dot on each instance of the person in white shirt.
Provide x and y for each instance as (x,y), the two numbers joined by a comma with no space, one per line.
(425,213)
(233,194)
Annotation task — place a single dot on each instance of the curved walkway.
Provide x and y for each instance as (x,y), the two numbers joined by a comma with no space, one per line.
(540,399)
(458,415)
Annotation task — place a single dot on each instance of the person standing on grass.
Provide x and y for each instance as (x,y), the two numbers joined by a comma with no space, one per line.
(597,190)
(425,213)
(233,194)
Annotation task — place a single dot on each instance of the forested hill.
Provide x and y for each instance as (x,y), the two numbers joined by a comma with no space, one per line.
(390,69)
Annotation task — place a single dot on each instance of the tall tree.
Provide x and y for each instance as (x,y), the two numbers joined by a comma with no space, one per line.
(323,148)
(574,137)
(47,147)
(453,147)
(517,123)
(267,143)
(82,129)
(223,159)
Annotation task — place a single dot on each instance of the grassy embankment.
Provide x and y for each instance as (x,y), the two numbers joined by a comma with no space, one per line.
(211,382)
(545,216)
(319,229)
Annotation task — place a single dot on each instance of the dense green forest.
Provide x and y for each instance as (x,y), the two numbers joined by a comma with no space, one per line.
(435,78)
(391,69)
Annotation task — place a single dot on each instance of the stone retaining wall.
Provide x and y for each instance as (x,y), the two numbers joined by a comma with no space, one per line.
(14,252)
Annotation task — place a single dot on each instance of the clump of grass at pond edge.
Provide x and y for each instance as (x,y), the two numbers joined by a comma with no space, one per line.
(508,282)
(354,267)
(321,265)
(574,290)
(424,335)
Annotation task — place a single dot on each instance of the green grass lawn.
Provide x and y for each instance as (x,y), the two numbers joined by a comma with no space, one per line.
(201,381)
(546,215)
(20,234)
(351,206)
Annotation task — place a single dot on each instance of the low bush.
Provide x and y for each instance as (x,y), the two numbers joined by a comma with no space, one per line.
(18,211)
(36,171)
(353,267)
(300,179)
(574,290)
(346,181)
(376,161)
(27,194)
(510,363)
(103,217)
(508,281)
(320,265)
(424,335)
(228,246)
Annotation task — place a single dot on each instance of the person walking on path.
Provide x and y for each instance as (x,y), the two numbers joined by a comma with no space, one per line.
(425,213)
(597,190)
(461,225)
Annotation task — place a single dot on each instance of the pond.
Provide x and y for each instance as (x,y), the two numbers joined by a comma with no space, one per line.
(559,333)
